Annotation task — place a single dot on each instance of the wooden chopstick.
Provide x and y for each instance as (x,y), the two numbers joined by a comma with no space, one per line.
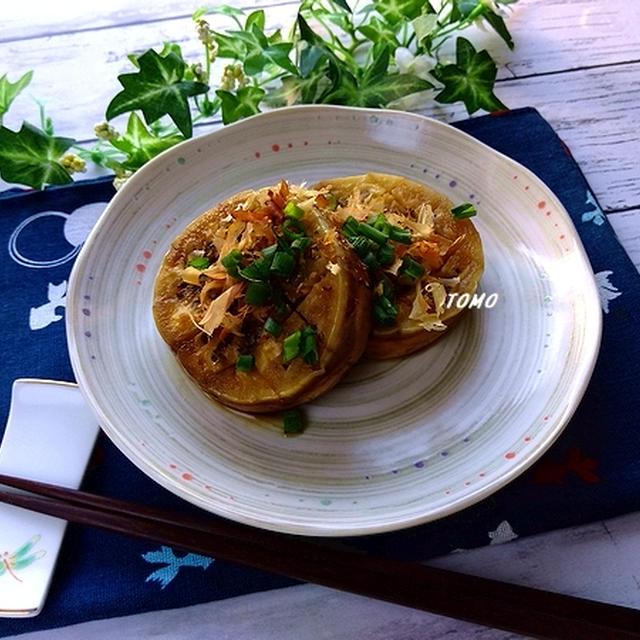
(484,601)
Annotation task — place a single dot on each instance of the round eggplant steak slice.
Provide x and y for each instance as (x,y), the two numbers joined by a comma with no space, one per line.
(262,301)
(417,253)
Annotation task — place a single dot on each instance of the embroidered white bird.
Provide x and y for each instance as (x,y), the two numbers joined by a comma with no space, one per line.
(44,315)
(503,533)
(606,290)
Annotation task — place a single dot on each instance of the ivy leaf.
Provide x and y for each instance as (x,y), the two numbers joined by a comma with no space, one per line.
(373,86)
(377,31)
(499,26)
(397,11)
(295,89)
(140,145)
(381,54)
(467,7)
(257,51)
(158,89)
(244,102)
(32,157)
(390,87)
(310,58)
(424,25)
(255,17)
(378,92)
(229,46)
(278,53)
(171,47)
(470,79)
(167,48)
(9,91)
(232,12)
(343,5)
(198,13)
(321,57)
(376,87)
(342,89)
(306,32)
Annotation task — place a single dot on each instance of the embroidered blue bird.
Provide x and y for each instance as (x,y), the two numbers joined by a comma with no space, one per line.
(173,564)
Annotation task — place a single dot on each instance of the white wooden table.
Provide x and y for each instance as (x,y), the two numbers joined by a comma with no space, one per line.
(578,63)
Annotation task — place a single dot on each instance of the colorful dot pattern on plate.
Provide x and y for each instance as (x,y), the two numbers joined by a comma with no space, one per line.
(395,443)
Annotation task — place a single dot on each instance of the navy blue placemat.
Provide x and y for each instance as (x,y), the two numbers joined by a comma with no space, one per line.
(591,472)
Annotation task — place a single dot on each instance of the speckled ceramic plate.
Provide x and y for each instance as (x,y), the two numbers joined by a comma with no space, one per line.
(395,443)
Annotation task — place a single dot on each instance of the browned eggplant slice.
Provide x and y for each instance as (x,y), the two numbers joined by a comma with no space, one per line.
(205,311)
(448,251)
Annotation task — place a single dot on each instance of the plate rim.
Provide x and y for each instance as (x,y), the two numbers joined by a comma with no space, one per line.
(133,185)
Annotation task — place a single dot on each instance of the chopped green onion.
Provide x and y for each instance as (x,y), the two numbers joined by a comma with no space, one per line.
(257,293)
(411,268)
(370,261)
(278,302)
(292,421)
(199,262)
(283,264)
(292,210)
(283,244)
(464,210)
(380,223)
(301,244)
(291,346)
(350,228)
(386,254)
(258,270)
(361,245)
(332,201)
(268,252)
(273,327)
(386,305)
(293,229)
(383,318)
(398,234)
(244,362)
(372,233)
(309,347)
(231,262)
(384,311)
(387,288)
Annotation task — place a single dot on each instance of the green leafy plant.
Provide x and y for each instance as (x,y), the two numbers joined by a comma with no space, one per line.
(387,53)
(158,88)
(9,91)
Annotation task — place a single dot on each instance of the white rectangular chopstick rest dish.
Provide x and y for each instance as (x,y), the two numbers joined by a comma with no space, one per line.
(49,437)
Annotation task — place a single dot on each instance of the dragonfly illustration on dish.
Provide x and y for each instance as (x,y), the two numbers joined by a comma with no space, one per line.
(21,558)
